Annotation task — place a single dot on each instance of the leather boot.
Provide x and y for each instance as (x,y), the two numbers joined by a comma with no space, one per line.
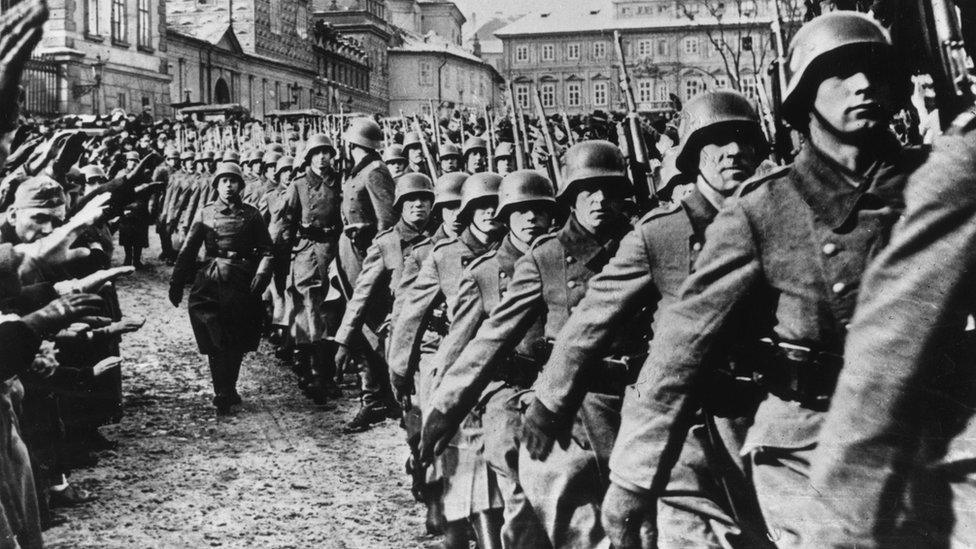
(456,535)
(435,521)
(488,528)
(301,365)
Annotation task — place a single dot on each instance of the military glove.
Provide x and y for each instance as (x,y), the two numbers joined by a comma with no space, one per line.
(402,387)
(175,295)
(629,518)
(62,312)
(436,435)
(540,427)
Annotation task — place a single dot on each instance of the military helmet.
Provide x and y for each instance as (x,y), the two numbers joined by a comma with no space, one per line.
(132,155)
(412,139)
(474,144)
(227,168)
(317,141)
(448,188)
(833,36)
(209,155)
(283,163)
(590,161)
(278,147)
(410,184)
(504,149)
(270,158)
(365,132)
(448,150)
(187,155)
(232,156)
(91,171)
(711,112)
(171,152)
(394,153)
(479,186)
(521,187)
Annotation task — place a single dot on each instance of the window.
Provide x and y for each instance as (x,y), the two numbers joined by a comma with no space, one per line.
(748,84)
(599,50)
(118,20)
(690,44)
(92,17)
(425,79)
(645,90)
(600,93)
(120,100)
(548,52)
(573,96)
(522,95)
(548,92)
(143,21)
(661,92)
(447,78)
(301,21)
(721,82)
(573,51)
(522,54)
(663,48)
(645,47)
(275,16)
(692,88)
(746,43)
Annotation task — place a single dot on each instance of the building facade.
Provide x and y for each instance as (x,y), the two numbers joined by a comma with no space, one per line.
(671,47)
(98,55)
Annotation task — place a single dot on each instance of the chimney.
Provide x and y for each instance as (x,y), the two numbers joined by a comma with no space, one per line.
(476,46)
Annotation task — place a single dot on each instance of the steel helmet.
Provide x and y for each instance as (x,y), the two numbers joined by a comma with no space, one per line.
(227,168)
(317,141)
(593,160)
(365,132)
(479,186)
(132,155)
(394,153)
(171,152)
(232,156)
(187,155)
(283,163)
(504,149)
(278,147)
(448,150)
(711,112)
(209,155)
(448,188)
(410,184)
(91,171)
(270,158)
(521,187)
(831,36)
(412,139)
(474,144)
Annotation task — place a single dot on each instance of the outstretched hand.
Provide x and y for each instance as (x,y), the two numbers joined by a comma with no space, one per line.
(20,31)
(55,248)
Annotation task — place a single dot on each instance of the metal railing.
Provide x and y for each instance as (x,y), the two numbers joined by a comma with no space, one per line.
(42,85)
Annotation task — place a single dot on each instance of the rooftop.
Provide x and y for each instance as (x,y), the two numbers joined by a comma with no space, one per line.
(210,21)
(433,43)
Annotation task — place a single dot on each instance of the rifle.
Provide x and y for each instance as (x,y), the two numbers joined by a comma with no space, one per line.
(431,165)
(557,176)
(570,138)
(516,137)
(642,171)
(945,55)
(490,130)
(435,126)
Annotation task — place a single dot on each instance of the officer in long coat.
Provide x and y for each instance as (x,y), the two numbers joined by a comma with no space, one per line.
(565,489)
(310,223)
(790,251)
(225,300)
(526,206)
(134,222)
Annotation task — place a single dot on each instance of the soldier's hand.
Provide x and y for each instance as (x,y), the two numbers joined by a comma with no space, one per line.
(175,295)
(402,388)
(435,436)
(55,248)
(20,31)
(92,282)
(539,429)
(62,312)
(124,326)
(342,359)
(629,518)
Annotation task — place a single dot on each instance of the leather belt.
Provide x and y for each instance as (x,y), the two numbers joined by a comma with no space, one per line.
(798,373)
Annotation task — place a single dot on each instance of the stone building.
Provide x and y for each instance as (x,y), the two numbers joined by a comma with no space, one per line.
(98,55)
(675,47)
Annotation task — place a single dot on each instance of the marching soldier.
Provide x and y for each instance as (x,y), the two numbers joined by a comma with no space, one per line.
(434,285)
(367,209)
(526,206)
(504,158)
(134,222)
(310,222)
(790,251)
(475,155)
(159,204)
(415,153)
(449,156)
(566,486)
(225,301)
(395,161)
(270,208)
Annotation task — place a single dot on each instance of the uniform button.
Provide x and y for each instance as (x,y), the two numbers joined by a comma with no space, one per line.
(696,246)
(839,287)
(570,259)
(502,275)
(571,284)
(830,248)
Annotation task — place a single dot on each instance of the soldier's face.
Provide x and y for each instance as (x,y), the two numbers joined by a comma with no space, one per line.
(269,171)
(321,160)
(415,155)
(416,210)
(852,100)
(726,162)
(284,176)
(228,188)
(449,164)
(483,218)
(32,224)
(503,166)
(596,208)
(449,216)
(528,222)
(397,168)
(476,161)
(172,162)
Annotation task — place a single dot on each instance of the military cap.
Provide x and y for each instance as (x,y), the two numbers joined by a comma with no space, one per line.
(412,139)
(132,155)
(364,132)
(410,184)
(594,161)
(187,155)
(227,168)
(523,187)
(171,152)
(474,144)
(92,171)
(317,141)
(231,156)
(209,155)
(39,191)
(448,150)
(711,112)
(271,158)
(394,153)
(504,150)
(285,162)
(448,188)
(477,187)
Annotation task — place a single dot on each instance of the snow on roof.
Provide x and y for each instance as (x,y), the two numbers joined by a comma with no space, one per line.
(434,43)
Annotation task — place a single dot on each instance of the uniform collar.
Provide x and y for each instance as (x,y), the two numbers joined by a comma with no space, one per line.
(408,233)
(439,234)
(508,253)
(584,245)
(468,239)
(226,207)
(314,179)
(699,210)
(827,187)
(370,157)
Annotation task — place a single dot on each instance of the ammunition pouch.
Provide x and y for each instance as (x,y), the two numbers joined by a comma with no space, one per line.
(318,234)
(615,373)
(797,373)
(518,370)
(438,321)
(231,254)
